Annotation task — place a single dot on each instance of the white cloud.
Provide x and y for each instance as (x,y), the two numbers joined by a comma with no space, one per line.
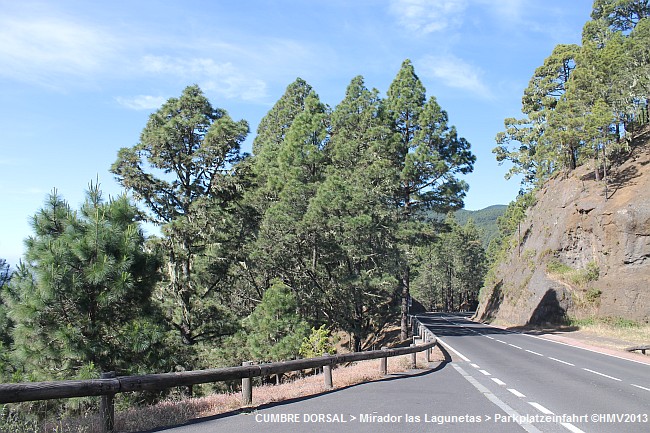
(43,49)
(221,78)
(142,102)
(456,73)
(505,10)
(428,16)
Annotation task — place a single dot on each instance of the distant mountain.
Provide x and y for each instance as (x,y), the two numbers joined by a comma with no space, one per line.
(485,220)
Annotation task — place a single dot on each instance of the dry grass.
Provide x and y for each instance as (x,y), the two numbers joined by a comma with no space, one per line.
(617,337)
(179,411)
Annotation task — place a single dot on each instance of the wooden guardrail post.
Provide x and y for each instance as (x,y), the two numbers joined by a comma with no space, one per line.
(383,365)
(413,358)
(327,373)
(246,387)
(107,407)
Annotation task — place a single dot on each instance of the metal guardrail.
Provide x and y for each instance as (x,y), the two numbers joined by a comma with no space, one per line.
(109,385)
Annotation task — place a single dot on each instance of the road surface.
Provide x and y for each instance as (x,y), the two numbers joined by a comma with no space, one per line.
(492,381)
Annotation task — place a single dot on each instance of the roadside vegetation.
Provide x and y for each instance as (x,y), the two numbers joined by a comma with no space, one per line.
(179,408)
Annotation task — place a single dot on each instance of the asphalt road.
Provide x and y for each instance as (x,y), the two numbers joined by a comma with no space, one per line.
(493,381)
(535,376)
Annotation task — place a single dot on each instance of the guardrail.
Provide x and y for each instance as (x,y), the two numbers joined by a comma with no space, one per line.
(108,385)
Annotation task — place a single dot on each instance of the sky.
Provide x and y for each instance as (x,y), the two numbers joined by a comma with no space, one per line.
(79,79)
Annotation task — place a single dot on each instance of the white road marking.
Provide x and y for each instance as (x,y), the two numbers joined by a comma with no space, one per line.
(534,353)
(485,372)
(540,408)
(578,347)
(545,411)
(494,399)
(571,427)
(563,362)
(601,374)
(475,366)
(516,347)
(460,355)
(498,382)
(642,387)
(487,336)
(501,341)
(517,393)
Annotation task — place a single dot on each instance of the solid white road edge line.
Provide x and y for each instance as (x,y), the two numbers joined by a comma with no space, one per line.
(540,408)
(460,355)
(494,399)
(566,425)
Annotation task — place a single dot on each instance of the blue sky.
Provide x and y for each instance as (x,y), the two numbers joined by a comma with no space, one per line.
(78,79)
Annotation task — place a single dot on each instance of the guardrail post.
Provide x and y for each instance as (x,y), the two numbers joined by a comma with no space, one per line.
(413,357)
(107,407)
(383,365)
(246,387)
(327,373)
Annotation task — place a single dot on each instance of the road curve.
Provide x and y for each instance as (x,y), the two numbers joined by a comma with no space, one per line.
(493,380)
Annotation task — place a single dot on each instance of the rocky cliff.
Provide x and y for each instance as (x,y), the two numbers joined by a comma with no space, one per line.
(582,250)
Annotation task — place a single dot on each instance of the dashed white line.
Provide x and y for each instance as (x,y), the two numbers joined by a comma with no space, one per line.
(485,372)
(581,348)
(563,362)
(516,347)
(517,393)
(540,408)
(494,399)
(498,382)
(501,341)
(602,374)
(487,336)
(639,386)
(534,353)
(475,366)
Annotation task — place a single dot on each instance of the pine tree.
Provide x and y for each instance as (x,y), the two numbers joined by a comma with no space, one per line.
(352,218)
(275,330)
(81,297)
(189,183)
(429,155)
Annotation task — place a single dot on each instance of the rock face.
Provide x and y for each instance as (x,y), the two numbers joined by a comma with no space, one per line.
(581,251)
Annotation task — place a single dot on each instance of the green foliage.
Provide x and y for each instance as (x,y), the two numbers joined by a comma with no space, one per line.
(317,343)
(614,322)
(82,295)
(182,170)
(584,99)
(451,268)
(578,277)
(593,295)
(274,330)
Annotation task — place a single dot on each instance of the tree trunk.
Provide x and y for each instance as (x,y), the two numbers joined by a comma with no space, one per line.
(405,302)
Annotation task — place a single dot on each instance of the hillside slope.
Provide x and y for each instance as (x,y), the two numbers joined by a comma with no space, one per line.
(579,254)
